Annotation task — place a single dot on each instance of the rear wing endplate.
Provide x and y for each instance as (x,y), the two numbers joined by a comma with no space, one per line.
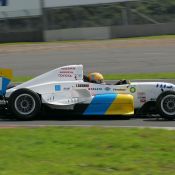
(5,78)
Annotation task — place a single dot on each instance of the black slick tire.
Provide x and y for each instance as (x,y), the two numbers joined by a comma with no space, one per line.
(24,104)
(166,105)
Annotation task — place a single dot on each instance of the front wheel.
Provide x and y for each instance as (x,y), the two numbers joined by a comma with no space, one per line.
(166,105)
(25,104)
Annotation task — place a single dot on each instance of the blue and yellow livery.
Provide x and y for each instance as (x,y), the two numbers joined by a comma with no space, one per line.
(5,78)
(111,104)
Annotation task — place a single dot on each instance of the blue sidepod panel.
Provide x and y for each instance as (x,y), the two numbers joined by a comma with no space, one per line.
(100,104)
(4,83)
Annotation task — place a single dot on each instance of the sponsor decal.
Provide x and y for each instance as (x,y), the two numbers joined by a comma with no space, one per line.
(3,2)
(95,89)
(64,75)
(142,97)
(164,86)
(66,72)
(51,98)
(66,88)
(82,85)
(132,89)
(107,88)
(68,68)
(119,89)
(57,88)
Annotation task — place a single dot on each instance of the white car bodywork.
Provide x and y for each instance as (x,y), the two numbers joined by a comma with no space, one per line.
(64,87)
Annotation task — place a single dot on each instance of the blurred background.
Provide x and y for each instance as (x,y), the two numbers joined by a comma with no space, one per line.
(50,20)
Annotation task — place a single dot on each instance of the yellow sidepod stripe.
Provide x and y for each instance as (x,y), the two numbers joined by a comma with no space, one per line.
(6,73)
(122,105)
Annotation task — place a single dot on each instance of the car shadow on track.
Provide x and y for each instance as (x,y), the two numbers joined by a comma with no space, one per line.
(66,117)
(57,116)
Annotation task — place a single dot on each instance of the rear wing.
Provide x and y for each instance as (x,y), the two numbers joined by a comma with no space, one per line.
(5,78)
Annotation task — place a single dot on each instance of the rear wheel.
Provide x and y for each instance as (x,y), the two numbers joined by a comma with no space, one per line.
(166,105)
(25,104)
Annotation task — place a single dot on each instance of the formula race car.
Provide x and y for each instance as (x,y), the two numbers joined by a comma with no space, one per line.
(68,90)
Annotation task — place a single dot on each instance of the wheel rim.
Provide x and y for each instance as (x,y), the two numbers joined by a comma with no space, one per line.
(168,105)
(25,104)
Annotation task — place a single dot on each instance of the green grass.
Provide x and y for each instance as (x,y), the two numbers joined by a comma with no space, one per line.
(168,75)
(77,41)
(86,151)
(21,78)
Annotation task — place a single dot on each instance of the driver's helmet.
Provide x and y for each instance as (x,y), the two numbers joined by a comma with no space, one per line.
(96,78)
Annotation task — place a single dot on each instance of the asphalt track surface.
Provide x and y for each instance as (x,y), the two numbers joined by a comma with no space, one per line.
(135,122)
(107,57)
(132,56)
